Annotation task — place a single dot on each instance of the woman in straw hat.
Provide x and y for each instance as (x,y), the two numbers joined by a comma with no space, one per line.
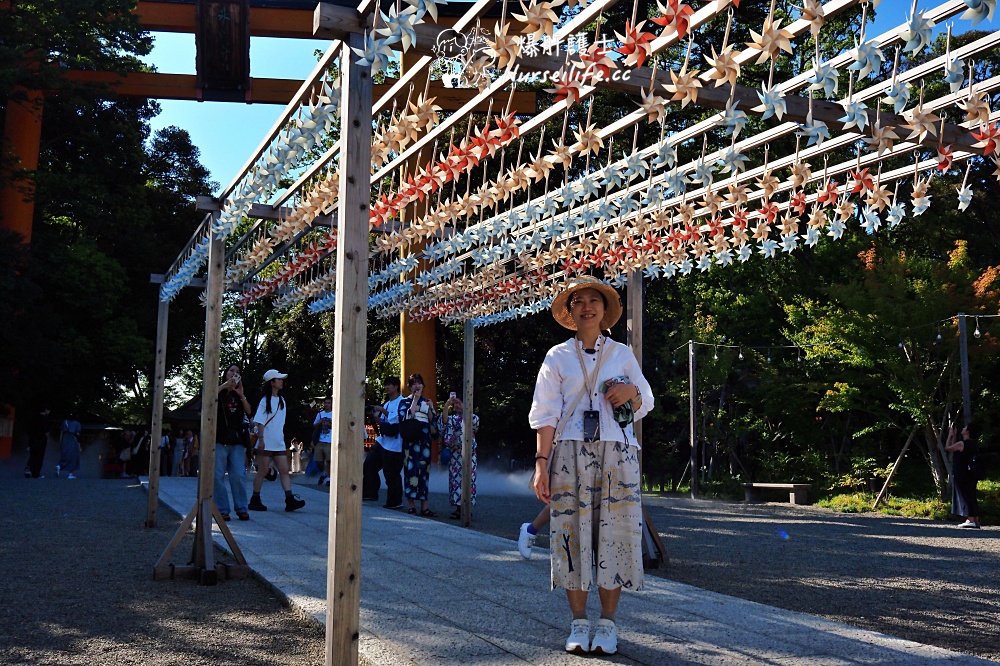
(589,391)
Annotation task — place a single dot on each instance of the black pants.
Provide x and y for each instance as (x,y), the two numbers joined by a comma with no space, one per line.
(390,463)
(36,454)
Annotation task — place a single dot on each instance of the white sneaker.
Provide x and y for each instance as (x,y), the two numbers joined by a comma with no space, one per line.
(606,639)
(71,476)
(525,541)
(579,637)
(968,524)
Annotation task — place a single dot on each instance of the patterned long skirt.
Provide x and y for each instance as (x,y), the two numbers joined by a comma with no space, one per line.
(596,515)
(416,468)
(455,476)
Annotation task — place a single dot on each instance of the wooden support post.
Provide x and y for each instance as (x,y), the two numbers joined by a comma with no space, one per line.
(159,377)
(468,383)
(693,409)
(963,351)
(209,406)
(634,310)
(885,488)
(203,566)
(343,592)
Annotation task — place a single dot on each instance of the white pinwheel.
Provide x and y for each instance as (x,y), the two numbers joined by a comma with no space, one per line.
(954,74)
(702,172)
(789,243)
(836,229)
(375,54)
(867,58)
(675,181)
(733,119)
(704,263)
(653,197)
(422,7)
(979,10)
(772,102)
(768,247)
(811,237)
(745,252)
(397,26)
(964,197)
(685,267)
(732,160)
(898,94)
(870,221)
(635,166)
(589,187)
(666,155)
(825,77)
(816,131)
(917,34)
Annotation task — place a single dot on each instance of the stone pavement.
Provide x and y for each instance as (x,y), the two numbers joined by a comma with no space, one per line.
(439,594)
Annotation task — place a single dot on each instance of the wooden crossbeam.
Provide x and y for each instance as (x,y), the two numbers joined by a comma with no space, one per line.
(264,21)
(159,85)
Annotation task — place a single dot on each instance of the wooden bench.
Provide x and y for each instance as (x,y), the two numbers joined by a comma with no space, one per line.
(797,492)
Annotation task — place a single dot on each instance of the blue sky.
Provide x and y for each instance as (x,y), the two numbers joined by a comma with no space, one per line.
(227,133)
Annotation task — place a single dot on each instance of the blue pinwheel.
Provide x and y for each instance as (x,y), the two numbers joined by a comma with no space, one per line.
(675,181)
(855,115)
(733,120)
(666,156)
(836,229)
(954,74)
(979,10)
(789,243)
(869,219)
(811,237)
(867,58)
(898,94)
(917,34)
(745,252)
(732,161)
(816,131)
(964,197)
(724,257)
(702,172)
(768,247)
(825,77)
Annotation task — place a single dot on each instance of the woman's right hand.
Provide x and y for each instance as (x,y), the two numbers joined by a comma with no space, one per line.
(541,484)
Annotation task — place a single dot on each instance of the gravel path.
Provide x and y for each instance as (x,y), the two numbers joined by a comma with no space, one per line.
(79,588)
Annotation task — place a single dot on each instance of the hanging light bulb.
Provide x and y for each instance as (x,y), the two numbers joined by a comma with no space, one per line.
(939,334)
(768,354)
(741,353)
(976,333)
(716,355)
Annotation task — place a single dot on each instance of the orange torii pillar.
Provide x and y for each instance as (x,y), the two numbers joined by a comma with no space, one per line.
(22,136)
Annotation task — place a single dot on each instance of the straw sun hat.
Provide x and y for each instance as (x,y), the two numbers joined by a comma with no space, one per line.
(560,304)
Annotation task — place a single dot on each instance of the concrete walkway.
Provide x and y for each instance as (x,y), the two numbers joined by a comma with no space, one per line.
(438,594)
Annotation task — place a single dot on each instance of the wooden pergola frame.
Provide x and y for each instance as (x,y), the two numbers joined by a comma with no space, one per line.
(351,222)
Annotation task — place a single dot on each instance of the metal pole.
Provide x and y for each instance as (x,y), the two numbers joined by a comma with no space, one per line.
(693,407)
(468,383)
(156,424)
(963,349)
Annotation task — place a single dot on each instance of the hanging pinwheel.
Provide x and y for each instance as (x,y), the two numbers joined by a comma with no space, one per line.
(636,45)
(979,10)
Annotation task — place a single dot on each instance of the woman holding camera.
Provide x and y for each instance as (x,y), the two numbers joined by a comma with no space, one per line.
(230,444)
(589,391)
(416,414)
(452,434)
(964,502)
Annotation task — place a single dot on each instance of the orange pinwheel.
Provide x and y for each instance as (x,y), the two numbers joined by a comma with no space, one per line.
(635,44)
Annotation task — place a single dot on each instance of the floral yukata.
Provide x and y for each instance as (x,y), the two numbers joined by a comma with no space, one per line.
(451,434)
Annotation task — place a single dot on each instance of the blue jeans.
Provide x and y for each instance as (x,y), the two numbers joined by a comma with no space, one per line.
(230,458)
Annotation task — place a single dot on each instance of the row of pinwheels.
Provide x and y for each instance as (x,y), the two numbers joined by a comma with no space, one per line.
(589,141)
(311,123)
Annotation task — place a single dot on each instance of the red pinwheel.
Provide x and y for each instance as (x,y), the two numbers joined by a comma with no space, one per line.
(827,195)
(741,218)
(989,136)
(945,157)
(861,181)
(635,44)
(798,202)
(768,210)
(675,15)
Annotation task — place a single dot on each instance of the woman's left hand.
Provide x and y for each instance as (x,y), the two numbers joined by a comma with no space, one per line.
(619,394)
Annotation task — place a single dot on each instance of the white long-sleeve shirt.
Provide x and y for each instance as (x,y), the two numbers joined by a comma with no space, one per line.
(560,381)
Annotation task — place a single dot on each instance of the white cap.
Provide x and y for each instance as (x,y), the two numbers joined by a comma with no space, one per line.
(273,374)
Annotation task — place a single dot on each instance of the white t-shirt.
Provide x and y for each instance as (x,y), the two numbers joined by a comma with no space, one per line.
(273,433)
(392,443)
(325,430)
